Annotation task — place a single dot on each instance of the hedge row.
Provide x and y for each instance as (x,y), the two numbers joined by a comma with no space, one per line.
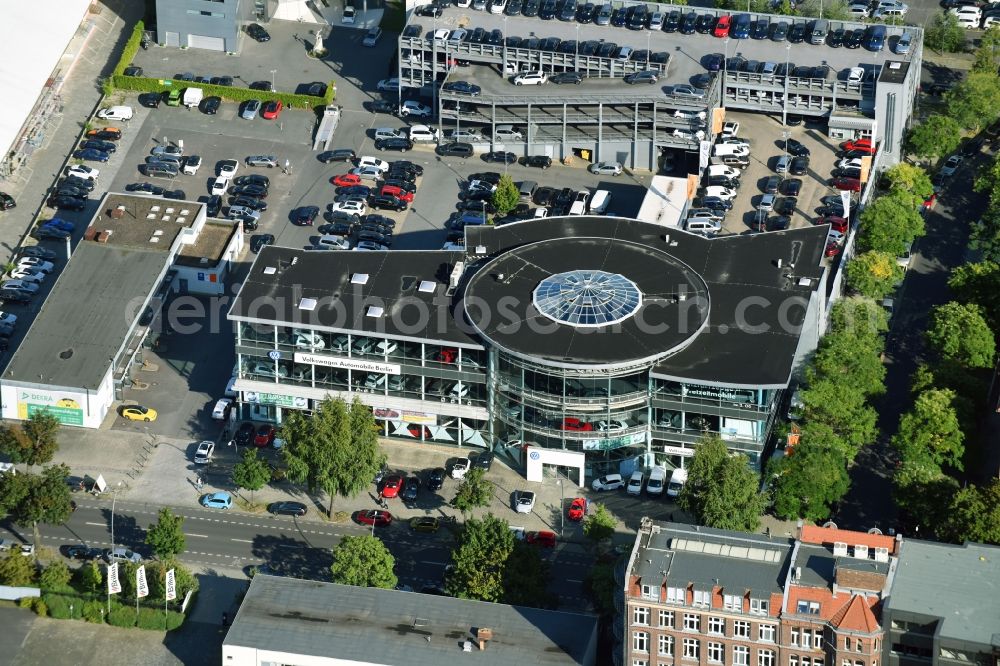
(231,93)
(131,48)
(71,607)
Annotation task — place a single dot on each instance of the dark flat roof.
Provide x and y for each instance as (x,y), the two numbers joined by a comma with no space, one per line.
(290,616)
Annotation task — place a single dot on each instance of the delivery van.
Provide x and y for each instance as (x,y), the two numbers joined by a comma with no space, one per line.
(656,481)
(677,480)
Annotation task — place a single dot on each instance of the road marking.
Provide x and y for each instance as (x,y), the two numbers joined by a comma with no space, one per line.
(243,540)
(97,524)
(201,536)
(439,564)
(573,580)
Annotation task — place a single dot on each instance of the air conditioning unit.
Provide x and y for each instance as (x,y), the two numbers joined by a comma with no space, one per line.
(840,549)
(861,552)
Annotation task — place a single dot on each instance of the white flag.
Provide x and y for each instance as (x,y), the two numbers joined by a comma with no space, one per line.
(845,201)
(114,585)
(141,589)
(171,586)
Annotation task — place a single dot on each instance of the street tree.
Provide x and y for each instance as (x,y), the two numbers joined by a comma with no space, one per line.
(859,318)
(89,576)
(32,442)
(335,450)
(363,561)
(506,197)
(809,481)
(166,535)
(974,515)
(936,135)
(474,491)
(600,524)
(30,499)
(975,101)
(988,51)
(910,179)
(944,34)
(526,578)
(600,582)
(874,274)
(987,182)
(959,332)
(480,560)
(251,473)
(843,409)
(55,576)
(17,570)
(923,494)
(721,490)
(985,236)
(979,283)
(889,224)
(931,431)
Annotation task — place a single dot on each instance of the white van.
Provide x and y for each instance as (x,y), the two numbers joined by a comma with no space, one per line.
(635,483)
(116,113)
(723,170)
(423,133)
(703,226)
(507,132)
(599,201)
(656,481)
(677,480)
(723,149)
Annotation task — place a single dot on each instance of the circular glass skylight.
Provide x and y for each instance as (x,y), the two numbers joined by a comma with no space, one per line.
(587,298)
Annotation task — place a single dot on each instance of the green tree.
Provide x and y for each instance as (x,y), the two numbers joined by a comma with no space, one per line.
(89,576)
(874,274)
(985,236)
(974,515)
(988,51)
(889,224)
(601,584)
(32,442)
(166,535)
(859,318)
(959,332)
(975,101)
(945,34)
(30,499)
(156,575)
(923,494)
(474,491)
(526,578)
(251,473)
(363,561)
(988,182)
(844,410)
(600,524)
(930,430)
(979,283)
(17,570)
(910,179)
(721,490)
(480,560)
(809,481)
(335,450)
(54,576)
(506,196)
(935,136)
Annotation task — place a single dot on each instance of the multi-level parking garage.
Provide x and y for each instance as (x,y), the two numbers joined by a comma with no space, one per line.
(633,124)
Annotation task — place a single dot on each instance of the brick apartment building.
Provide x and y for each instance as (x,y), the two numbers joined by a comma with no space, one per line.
(696,596)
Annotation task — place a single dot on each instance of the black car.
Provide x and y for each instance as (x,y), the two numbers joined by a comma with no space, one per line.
(548,10)
(484,461)
(799,166)
(382,106)
(456,149)
(387,202)
(791,187)
(179,195)
(261,85)
(543,196)
(85,184)
(382,229)
(796,149)
(784,69)
(761,28)
(495,38)
(702,81)
(478,36)
(588,48)
(210,105)
(6,201)
(779,31)
(848,172)
(67,191)
(688,24)
(786,205)
(713,203)
(435,478)
(258,33)
(723,181)
(793,120)
(564,197)
(67,203)
(513,8)
(105,134)
(132,71)
(430,11)
(81,552)
(37,251)
(704,23)
(103,146)
(477,207)
(213,205)
(854,39)
(801,72)
(304,216)
(836,38)
(620,17)
(672,22)
(585,12)
(411,488)
(336,229)
(249,202)
(250,190)
(567,77)
(258,242)
(287,508)
(244,435)
(797,33)
(530,8)
(374,237)
(462,88)
(401,144)
(500,156)
(713,62)
(537,161)
(736,63)
(771,184)
(355,191)
(150,100)
(778,222)
(606,49)
(549,44)
(221,81)
(404,180)
(339,155)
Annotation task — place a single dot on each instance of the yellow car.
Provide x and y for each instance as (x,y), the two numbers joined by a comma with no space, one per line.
(138,413)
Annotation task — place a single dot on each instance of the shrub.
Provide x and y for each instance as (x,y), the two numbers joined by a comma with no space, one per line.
(26,602)
(40,607)
(230,93)
(93,611)
(174,620)
(131,48)
(64,606)
(122,616)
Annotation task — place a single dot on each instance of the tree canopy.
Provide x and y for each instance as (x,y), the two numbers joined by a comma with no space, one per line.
(906,178)
(936,135)
(930,431)
(975,101)
(363,561)
(30,499)
(251,473)
(480,560)
(945,34)
(721,490)
(959,332)
(974,515)
(600,524)
(166,535)
(474,491)
(979,283)
(506,197)
(889,224)
(874,274)
(809,481)
(526,578)
(32,442)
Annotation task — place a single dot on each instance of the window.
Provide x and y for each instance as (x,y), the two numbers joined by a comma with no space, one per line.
(741,655)
(818,639)
(691,648)
(702,598)
(759,606)
(741,629)
(793,660)
(767,633)
(665,647)
(847,643)
(765,658)
(640,662)
(675,595)
(795,637)
(732,602)
(640,641)
(846,662)
(807,607)
(640,615)
(649,592)
(716,653)
(716,625)
(667,619)
(858,645)
(692,622)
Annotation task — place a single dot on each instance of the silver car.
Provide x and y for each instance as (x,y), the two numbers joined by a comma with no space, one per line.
(250,109)
(268,161)
(685,90)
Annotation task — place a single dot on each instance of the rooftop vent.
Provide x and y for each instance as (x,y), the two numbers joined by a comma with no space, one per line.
(895,65)
(375,311)
(117,212)
(154,239)
(170,210)
(480,249)
(66,354)
(155,209)
(307,304)
(840,549)
(426,287)
(456,274)
(805,282)
(181,220)
(270,270)
(359,278)
(185,211)
(151,216)
(861,552)
(881,554)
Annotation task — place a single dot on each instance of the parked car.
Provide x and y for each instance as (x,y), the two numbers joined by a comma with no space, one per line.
(217,500)
(287,508)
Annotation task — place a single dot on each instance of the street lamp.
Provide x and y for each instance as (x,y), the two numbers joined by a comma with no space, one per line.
(562,512)
(725,69)
(784,102)
(111,558)
(273,71)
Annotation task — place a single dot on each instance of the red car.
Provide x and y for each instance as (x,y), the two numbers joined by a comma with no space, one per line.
(576,424)
(393,191)
(858,144)
(391,486)
(346,180)
(543,539)
(849,184)
(264,436)
(832,249)
(577,509)
(271,110)
(836,223)
(374,517)
(448,355)
(930,201)
(722,27)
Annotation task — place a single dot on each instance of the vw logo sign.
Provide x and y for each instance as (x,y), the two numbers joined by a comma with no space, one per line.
(274,355)
(534,455)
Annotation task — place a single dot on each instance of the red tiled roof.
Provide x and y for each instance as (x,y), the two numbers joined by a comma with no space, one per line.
(856,615)
(824,535)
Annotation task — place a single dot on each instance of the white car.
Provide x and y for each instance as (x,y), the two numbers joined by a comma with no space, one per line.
(353,206)
(524,501)
(330,242)
(35,263)
(387,133)
(720,191)
(951,165)
(859,10)
(348,16)
(852,163)
(167,151)
(423,133)
(612,425)
(81,171)
(690,136)
(366,173)
(29,275)
(7,319)
(606,169)
(227,168)
(370,246)
(116,113)
(968,21)
(498,6)
(730,129)
(219,186)
(855,75)
(191,165)
(368,161)
(530,79)
(689,115)
(441,34)
(413,108)
(221,409)
(21,285)
(460,467)
(386,85)
(203,455)
(835,237)
(386,347)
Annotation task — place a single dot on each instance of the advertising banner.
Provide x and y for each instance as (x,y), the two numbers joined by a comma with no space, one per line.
(404,415)
(347,363)
(141,588)
(66,407)
(291,401)
(114,585)
(171,585)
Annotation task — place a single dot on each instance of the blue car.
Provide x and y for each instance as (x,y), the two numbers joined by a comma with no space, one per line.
(91,155)
(220,500)
(61,224)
